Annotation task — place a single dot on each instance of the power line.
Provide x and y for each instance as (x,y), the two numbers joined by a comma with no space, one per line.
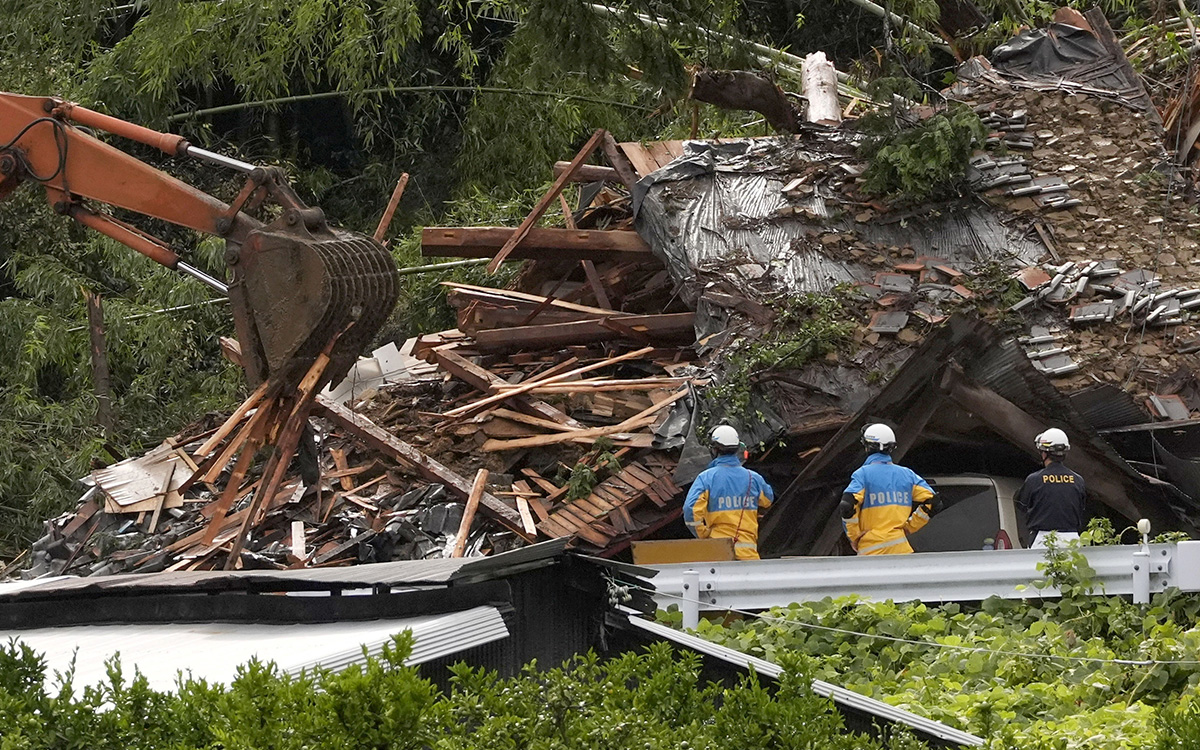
(401,90)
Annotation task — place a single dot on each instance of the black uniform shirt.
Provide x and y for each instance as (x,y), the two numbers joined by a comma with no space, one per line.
(1053,500)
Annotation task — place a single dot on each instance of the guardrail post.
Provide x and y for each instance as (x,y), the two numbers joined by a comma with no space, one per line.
(691,599)
(1141,566)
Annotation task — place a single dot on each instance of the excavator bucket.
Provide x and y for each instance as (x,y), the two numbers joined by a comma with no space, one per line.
(293,293)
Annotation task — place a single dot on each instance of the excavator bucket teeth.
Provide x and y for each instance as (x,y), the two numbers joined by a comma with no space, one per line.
(296,294)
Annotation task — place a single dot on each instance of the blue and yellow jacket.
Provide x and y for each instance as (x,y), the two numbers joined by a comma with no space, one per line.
(724,502)
(884,495)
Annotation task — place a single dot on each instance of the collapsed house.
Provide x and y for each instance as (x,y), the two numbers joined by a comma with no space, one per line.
(1059,289)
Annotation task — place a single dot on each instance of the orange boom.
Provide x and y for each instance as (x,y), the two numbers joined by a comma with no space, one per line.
(295,283)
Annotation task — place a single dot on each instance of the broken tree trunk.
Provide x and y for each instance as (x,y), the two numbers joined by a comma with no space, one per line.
(101,383)
(1018,427)
(747,90)
(820,87)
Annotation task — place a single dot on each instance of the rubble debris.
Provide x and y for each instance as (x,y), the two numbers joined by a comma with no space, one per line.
(568,396)
(517,398)
(1170,407)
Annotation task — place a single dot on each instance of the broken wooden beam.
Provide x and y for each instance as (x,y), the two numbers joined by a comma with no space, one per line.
(619,160)
(464,526)
(642,419)
(428,468)
(670,328)
(545,201)
(588,172)
(487,382)
(477,406)
(540,243)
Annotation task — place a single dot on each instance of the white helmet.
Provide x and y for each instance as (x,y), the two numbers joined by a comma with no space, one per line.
(1052,440)
(879,437)
(724,436)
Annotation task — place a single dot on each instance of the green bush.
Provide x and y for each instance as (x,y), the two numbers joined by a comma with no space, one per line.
(1083,671)
(652,700)
(924,161)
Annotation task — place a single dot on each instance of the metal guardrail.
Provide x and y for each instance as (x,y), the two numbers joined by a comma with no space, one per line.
(843,697)
(1135,570)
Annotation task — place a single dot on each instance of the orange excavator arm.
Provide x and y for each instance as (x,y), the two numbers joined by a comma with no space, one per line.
(296,283)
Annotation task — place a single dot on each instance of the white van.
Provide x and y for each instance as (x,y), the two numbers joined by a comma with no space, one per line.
(975,508)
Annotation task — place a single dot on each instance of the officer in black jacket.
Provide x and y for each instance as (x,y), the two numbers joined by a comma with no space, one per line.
(1053,498)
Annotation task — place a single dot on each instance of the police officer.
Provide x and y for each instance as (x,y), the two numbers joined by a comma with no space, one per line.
(1053,498)
(726,499)
(884,502)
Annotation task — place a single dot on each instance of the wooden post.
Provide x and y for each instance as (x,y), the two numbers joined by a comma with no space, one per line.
(101,382)
(464,528)
(386,220)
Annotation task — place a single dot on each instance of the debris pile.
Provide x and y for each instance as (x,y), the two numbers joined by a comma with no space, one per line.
(568,405)
(541,416)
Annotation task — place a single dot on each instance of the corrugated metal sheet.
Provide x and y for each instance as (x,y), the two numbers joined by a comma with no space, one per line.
(843,698)
(397,574)
(1105,405)
(721,207)
(214,651)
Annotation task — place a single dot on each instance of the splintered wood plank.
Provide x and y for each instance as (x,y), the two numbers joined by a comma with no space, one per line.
(619,161)
(626,519)
(549,487)
(618,486)
(485,381)
(618,523)
(464,527)
(234,420)
(539,508)
(526,515)
(524,387)
(609,491)
(339,460)
(604,528)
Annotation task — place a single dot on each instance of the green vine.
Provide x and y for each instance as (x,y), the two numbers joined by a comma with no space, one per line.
(807,326)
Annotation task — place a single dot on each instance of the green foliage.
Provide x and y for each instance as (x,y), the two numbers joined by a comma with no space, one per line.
(652,700)
(1079,671)
(600,461)
(807,326)
(924,161)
